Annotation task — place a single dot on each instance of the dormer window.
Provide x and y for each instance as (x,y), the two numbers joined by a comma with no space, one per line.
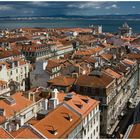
(53,130)
(86,100)
(68,117)
(79,104)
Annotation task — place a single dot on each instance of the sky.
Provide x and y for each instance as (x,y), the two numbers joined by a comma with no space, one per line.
(57,8)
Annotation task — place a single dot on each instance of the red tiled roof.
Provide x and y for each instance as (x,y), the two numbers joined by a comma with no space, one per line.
(28,133)
(113,73)
(4,134)
(107,56)
(135,132)
(52,64)
(94,81)
(11,40)
(15,133)
(77,98)
(2,119)
(62,81)
(86,107)
(133,56)
(88,52)
(21,103)
(61,124)
(9,53)
(129,62)
(89,59)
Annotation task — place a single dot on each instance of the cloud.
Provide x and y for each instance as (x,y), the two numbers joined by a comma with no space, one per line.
(117,13)
(28,12)
(133,7)
(97,7)
(5,8)
(86,5)
(54,8)
(112,6)
(39,3)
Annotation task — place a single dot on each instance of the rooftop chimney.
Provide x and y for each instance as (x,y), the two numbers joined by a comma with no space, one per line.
(54,93)
(53,102)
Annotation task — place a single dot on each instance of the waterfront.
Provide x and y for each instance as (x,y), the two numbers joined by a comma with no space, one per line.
(108,25)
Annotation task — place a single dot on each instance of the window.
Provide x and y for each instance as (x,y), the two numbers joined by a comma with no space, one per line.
(108,99)
(88,128)
(101,99)
(16,70)
(91,124)
(85,132)
(88,117)
(94,120)
(25,69)
(97,129)
(96,90)
(101,90)
(22,83)
(89,89)
(97,117)
(91,114)
(81,88)
(16,78)
(85,121)
(91,136)
(96,108)
(94,132)
(101,118)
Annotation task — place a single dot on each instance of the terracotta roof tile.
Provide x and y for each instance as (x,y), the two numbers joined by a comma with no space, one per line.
(28,133)
(79,99)
(113,73)
(21,103)
(89,59)
(129,62)
(61,124)
(62,81)
(2,119)
(4,134)
(133,56)
(86,107)
(15,133)
(9,53)
(52,64)
(88,52)
(107,56)
(135,132)
(11,40)
(94,81)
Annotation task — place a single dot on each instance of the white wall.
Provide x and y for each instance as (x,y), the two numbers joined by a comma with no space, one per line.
(18,74)
(92,125)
